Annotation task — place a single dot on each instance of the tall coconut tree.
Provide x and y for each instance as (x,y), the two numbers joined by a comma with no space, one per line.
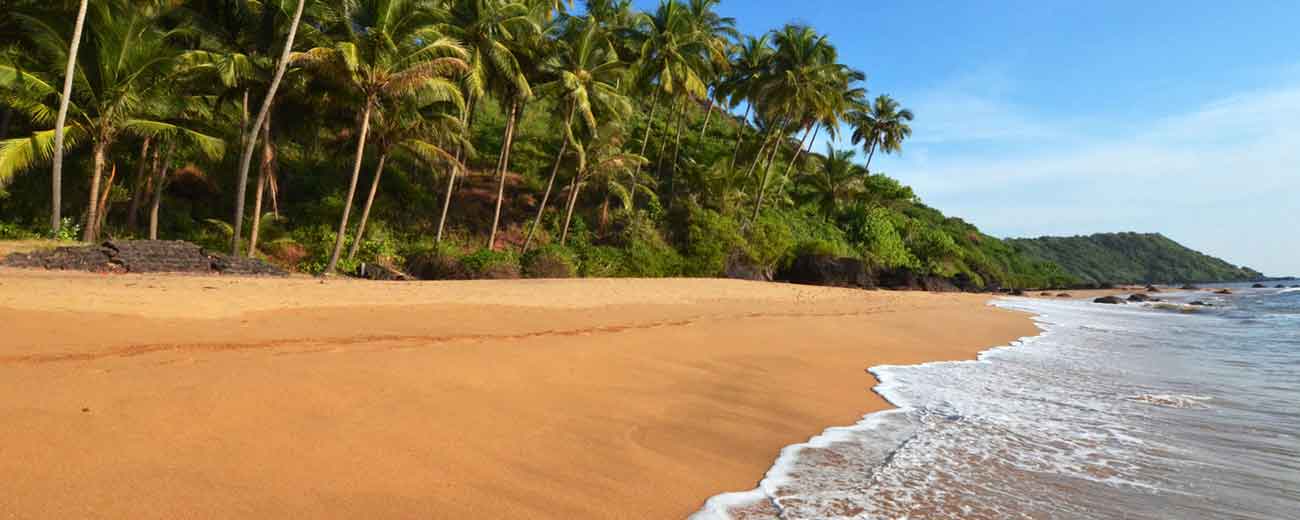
(406,128)
(884,126)
(496,35)
(836,178)
(127,72)
(56,172)
(587,71)
(386,49)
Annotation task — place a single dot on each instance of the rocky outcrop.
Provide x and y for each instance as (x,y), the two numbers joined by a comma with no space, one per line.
(1065,295)
(381,273)
(828,271)
(1109,300)
(1139,297)
(1190,287)
(142,256)
(1152,288)
(1223,291)
(907,280)
(1259,286)
(743,269)
(1199,303)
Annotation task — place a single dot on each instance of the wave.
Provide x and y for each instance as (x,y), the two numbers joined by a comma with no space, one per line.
(1170,400)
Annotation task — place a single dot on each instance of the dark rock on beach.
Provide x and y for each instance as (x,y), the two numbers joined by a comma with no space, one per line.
(381,273)
(142,256)
(1189,287)
(1139,297)
(1065,295)
(1259,286)
(1223,291)
(743,269)
(829,271)
(1152,288)
(1199,303)
(1109,300)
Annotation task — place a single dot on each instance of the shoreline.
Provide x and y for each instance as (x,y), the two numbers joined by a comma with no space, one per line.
(565,398)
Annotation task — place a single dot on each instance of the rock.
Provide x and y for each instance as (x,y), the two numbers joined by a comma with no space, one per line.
(142,256)
(1190,287)
(1065,295)
(1295,286)
(1044,293)
(1139,297)
(1279,286)
(1259,286)
(1199,303)
(1109,300)
(827,270)
(1017,292)
(1223,291)
(1152,288)
(380,273)
(742,269)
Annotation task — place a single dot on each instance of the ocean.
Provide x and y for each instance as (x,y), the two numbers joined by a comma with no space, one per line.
(1139,411)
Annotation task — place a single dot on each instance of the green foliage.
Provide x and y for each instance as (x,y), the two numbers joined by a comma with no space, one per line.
(489,264)
(882,244)
(706,240)
(1111,258)
(10,231)
(550,261)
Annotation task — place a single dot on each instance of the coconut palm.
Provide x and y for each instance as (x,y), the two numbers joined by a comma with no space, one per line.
(411,131)
(496,35)
(884,126)
(836,179)
(387,49)
(126,75)
(56,172)
(588,71)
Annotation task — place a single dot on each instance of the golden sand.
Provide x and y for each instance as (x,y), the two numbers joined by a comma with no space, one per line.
(209,397)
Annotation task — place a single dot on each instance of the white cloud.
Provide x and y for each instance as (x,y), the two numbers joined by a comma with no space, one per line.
(1224,177)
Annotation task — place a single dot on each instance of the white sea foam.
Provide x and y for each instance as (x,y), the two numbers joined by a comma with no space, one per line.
(977,439)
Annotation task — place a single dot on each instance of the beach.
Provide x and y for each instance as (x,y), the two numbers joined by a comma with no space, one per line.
(201,397)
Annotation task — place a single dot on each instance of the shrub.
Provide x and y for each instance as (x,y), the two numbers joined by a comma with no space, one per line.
(285,252)
(601,262)
(491,265)
(10,231)
(552,261)
(646,254)
(436,262)
(707,239)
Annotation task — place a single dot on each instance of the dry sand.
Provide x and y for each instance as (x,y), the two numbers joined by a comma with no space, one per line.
(203,397)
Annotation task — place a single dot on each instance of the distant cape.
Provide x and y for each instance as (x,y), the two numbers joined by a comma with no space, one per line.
(1119,258)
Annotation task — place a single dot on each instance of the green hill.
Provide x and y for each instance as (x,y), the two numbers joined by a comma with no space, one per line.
(1110,258)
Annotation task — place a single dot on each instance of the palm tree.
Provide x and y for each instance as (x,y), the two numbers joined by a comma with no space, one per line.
(803,81)
(127,74)
(837,178)
(237,62)
(588,72)
(495,33)
(56,173)
(388,49)
(884,126)
(406,128)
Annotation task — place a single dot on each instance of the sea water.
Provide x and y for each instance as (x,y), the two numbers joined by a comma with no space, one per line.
(1139,411)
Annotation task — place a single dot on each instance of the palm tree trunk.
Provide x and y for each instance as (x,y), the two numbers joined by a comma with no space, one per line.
(677,149)
(90,233)
(503,167)
(352,190)
(649,124)
(871,152)
(604,212)
(56,175)
(263,179)
(104,200)
(246,159)
(788,169)
(370,201)
(160,183)
(762,186)
(446,198)
(550,183)
(740,136)
(707,115)
(573,202)
(137,190)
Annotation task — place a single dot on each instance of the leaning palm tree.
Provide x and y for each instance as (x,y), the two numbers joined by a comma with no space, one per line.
(126,74)
(496,35)
(387,49)
(408,130)
(883,127)
(56,173)
(588,72)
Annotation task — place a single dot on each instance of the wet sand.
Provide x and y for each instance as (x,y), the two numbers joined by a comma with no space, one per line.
(136,396)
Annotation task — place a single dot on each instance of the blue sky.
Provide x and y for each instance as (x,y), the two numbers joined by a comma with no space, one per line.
(1060,118)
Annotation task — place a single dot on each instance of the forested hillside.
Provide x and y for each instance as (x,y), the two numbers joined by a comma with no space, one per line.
(463,138)
(1116,258)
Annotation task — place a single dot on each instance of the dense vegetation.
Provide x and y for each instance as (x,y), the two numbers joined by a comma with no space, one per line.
(1115,258)
(486,138)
